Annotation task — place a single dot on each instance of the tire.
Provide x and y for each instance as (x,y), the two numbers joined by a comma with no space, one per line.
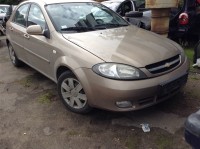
(13,57)
(72,94)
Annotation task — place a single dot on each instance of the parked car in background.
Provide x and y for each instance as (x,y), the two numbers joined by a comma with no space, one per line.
(2,30)
(96,60)
(184,20)
(4,7)
(124,6)
(2,15)
(132,11)
(3,10)
(10,9)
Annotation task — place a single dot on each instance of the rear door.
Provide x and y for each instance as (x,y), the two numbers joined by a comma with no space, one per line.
(16,30)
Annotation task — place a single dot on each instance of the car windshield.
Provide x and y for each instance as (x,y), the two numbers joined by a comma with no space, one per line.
(82,17)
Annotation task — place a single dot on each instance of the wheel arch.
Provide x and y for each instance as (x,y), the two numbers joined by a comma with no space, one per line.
(63,64)
(61,69)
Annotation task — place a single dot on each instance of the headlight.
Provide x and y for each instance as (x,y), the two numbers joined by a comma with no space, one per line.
(118,71)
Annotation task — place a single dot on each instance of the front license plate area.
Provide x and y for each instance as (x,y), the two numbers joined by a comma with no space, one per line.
(170,87)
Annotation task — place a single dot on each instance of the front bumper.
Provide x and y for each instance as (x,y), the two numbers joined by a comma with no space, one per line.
(104,93)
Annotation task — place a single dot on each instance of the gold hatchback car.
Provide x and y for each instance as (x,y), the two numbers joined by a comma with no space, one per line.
(96,58)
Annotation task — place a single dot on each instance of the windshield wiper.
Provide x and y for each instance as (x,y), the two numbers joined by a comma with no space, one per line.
(108,25)
(79,28)
(96,27)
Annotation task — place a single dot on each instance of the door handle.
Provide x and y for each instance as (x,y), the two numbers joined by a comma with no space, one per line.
(10,28)
(26,36)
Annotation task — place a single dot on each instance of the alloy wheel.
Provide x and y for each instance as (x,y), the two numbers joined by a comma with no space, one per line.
(73,93)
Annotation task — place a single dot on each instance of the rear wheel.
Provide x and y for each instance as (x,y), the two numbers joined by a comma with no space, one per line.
(72,93)
(15,61)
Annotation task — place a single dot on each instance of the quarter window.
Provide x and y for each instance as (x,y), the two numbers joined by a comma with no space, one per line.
(20,15)
(36,17)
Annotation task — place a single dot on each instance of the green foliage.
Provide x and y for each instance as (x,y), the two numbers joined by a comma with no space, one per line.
(45,98)
(164,142)
(189,53)
(10,2)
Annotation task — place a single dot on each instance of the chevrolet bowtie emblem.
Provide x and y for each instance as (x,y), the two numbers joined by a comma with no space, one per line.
(167,65)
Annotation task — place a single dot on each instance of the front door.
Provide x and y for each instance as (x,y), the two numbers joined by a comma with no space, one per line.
(38,48)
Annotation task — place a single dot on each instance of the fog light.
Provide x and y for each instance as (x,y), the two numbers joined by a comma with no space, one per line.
(124,104)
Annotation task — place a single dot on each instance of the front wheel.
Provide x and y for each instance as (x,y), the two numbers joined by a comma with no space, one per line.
(72,93)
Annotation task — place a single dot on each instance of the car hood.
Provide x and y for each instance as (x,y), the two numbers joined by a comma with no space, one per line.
(128,45)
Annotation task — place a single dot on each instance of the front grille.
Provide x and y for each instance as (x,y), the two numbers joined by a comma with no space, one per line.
(173,86)
(164,91)
(146,101)
(165,65)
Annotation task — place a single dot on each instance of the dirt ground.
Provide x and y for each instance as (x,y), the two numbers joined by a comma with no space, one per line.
(33,117)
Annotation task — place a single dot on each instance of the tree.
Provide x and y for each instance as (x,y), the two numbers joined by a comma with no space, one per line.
(10,2)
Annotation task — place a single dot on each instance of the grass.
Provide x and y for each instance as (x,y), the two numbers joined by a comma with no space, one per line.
(72,133)
(26,82)
(164,142)
(195,78)
(189,53)
(45,98)
(131,142)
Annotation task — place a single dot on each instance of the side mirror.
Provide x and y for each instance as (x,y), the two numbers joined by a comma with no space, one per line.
(35,30)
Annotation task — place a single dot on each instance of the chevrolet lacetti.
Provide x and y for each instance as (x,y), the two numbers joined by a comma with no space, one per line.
(96,58)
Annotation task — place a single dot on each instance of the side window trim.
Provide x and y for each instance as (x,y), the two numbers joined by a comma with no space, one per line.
(26,15)
(46,25)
